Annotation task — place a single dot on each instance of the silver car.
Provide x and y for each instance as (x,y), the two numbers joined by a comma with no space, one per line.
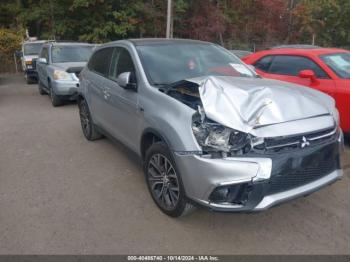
(58,66)
(209,131)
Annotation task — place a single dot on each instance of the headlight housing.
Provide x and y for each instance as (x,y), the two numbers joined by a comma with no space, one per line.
(61,75)
(214,137)
(336,115)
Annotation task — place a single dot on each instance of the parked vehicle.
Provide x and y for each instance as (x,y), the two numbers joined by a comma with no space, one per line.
(30,51)
(241,53)
(59,66)
(209,131)
(324,69)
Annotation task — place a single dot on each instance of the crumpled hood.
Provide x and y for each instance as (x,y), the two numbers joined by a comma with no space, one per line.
(246,103)
(65,66)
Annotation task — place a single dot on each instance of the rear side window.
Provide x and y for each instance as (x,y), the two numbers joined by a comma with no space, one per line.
(101,60)
(292,65)
(264,63)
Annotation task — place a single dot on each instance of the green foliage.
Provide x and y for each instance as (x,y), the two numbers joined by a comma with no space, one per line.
(10,41)
(9,10)
(327,20)
(234,23)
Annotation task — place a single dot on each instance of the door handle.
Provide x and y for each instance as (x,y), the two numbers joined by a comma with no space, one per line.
(106,94)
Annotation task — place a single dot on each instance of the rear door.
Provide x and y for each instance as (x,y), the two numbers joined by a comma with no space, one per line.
(287,68)
(96,84)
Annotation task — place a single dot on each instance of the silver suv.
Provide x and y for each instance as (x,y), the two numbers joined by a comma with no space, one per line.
(209,131)
(58,66)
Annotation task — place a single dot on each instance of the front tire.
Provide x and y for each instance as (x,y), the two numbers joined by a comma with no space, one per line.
(164,181)
(55,99)
(89,128)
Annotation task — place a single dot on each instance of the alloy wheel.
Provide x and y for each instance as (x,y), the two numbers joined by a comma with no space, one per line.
(163,181)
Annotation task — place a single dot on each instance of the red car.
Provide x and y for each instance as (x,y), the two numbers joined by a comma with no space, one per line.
(325,69)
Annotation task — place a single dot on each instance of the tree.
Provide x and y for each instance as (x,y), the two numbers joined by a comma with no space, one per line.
(10,41)
(232,23)
(325,20)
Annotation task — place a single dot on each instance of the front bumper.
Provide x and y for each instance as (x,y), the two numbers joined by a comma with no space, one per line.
(65,87)
(267,177)
(31,72)
(274,199)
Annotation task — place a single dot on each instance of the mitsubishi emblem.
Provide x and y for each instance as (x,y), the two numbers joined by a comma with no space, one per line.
(304,142)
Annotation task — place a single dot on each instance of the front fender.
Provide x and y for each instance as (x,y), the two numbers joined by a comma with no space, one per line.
(170,118)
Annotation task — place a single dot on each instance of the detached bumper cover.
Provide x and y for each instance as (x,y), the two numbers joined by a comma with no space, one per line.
(272,178)
(271,200)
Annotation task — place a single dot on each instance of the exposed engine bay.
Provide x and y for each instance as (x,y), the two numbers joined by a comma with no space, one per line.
(228,112)
(186,92)
(214,138)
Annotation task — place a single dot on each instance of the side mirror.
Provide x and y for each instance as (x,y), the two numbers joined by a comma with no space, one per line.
(41,60)
(308,74)
(124,81)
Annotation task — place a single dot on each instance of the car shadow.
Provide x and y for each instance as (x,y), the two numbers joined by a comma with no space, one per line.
(347,140)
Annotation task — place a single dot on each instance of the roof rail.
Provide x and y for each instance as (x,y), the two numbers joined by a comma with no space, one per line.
(296,46)
(66,41)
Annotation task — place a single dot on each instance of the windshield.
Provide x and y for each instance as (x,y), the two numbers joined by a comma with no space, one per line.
(168,63)
(62,54)
(32,49)
(339,63)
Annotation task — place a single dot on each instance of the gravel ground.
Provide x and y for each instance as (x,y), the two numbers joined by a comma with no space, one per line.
(60,194)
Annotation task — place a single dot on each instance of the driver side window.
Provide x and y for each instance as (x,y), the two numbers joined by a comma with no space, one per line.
(121,63)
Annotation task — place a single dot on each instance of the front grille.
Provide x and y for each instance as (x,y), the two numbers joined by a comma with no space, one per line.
(284,143)
(297,171)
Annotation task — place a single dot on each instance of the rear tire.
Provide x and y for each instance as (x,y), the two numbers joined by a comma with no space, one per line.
(89,128)
(55,99)
(164,181)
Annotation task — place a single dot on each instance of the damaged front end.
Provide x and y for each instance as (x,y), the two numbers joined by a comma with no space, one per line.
(260,145)
(220,141)
(230,112)
(215,139)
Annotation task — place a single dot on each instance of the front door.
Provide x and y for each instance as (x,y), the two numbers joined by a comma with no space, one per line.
(121,106)
(287,68)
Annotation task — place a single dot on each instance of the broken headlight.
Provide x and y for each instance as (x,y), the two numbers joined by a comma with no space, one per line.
(212,136)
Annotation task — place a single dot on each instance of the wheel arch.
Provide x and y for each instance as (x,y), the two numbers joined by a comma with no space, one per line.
(150,136)
(80,97)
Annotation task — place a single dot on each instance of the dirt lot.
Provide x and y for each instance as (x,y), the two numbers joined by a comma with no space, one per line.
(60,194)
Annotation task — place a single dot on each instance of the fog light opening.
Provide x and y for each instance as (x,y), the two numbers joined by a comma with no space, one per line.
(231,194)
